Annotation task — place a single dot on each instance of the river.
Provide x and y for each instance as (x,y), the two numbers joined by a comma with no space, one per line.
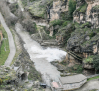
(41,57)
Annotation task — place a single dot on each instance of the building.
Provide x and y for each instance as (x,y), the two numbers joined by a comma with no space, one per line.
(55,86)
(72,82)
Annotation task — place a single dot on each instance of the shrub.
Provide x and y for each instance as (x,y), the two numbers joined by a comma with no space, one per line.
(56,22)
(82,8)
(65,23)
(30,26)
(88,24)
(72,7)
(88,59)
(96,63)
(77,68)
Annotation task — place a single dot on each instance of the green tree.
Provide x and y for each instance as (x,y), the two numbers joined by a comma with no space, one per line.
(72,7)
(96,63)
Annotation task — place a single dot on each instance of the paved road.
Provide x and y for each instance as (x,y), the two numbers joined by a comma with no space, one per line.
(11,42)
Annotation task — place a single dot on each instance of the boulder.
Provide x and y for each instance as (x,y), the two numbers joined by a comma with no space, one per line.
(88,66)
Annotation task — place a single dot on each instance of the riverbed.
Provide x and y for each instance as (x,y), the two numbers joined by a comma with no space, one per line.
(41,57)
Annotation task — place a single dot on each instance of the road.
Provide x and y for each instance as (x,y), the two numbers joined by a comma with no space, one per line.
(11,42)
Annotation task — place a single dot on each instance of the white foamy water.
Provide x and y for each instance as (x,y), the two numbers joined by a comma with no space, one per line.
(50,54)
(42,57)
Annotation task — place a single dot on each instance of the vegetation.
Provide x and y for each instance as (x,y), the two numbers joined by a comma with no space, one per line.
(13,7)
(88,59)
(63,63)
(38,9)
(82,9)
(4,50)
(72,7)
(93,78)
(56,22)
(77,68)
(96,63)
(33,74)
(65,23)
(94,90)
(87,24)
(95,8)
(30,26)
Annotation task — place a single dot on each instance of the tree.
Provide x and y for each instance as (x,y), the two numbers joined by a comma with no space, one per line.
(29,25)
(72,7)
(96,62)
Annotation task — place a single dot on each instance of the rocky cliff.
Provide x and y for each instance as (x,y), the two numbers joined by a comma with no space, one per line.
(84,41)
(51,19)
(87,11)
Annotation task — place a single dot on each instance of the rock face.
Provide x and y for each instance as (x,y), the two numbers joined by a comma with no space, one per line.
(9,16)
(11,80)
(58,7)
(83,41)
(38,8)
(8,78)
(88,66)
(64,33)
(87,11)
(7,74)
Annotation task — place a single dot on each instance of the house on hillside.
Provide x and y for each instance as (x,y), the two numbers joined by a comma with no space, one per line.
(69,83)
(72,82)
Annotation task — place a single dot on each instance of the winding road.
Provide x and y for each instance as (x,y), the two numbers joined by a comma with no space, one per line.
(11,42)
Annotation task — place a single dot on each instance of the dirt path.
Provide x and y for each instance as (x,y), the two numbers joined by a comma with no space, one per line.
(11,42)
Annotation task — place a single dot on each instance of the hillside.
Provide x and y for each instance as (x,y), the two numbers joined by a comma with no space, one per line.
(68,25)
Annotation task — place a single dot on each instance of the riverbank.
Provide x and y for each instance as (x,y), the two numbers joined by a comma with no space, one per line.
(41,63)
(4,48)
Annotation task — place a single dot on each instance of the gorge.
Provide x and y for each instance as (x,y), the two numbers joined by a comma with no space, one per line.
(53,38)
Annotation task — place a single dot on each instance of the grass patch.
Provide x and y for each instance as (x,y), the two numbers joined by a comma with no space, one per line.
(4,50)
(82,9)
(88,59)
(63,63)
(77,68)
(92,78)
(56,22)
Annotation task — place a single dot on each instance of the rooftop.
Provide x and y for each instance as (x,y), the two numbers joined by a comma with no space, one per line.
(72,79)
